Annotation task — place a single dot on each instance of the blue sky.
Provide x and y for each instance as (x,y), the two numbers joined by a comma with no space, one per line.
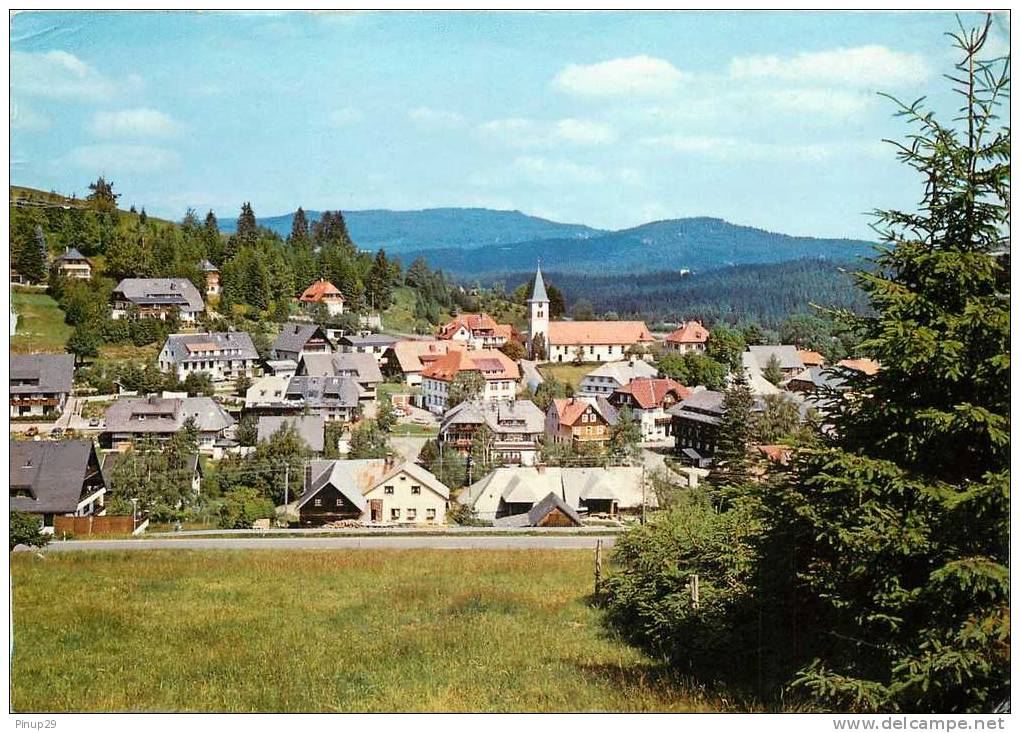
(608,119)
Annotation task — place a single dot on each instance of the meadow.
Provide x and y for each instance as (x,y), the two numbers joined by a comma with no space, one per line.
(357,631)
(567,372)
(41,326)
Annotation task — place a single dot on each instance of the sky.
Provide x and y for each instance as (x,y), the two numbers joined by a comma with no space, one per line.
(772,120)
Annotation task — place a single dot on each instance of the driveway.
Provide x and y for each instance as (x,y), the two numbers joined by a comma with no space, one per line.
(513,542)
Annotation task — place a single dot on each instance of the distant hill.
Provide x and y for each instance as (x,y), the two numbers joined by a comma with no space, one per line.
(694,244)
(455,229)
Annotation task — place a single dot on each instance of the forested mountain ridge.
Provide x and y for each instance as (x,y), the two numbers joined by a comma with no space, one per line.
(699,243)
(765,293)
(446,228)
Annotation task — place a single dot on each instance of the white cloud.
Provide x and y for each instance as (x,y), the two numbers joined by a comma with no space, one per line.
(861,66)
(733,150)
(632,177)
(585,132)
(141,122)
(633,76)
(827,102)
(62,74)
(27,119)
(435,117)
(546,172)
(123,158)
(523,133)
(345,116)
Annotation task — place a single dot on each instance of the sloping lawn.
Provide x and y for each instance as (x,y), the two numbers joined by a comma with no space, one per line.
(41,326)
(350,631)
(568,373)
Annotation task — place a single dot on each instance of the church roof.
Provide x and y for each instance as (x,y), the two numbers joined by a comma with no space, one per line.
(538,294)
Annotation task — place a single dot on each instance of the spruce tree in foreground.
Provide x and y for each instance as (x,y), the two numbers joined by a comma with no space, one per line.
(885,563)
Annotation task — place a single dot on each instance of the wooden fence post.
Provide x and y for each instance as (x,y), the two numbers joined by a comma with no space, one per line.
(598,568)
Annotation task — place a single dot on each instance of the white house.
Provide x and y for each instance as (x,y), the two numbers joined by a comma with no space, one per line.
(157,297)
(650,399)
(223,356)
(605,379)
(498,371)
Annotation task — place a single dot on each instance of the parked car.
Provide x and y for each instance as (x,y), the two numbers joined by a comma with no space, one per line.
(32,431)
(94,422)
(56,432)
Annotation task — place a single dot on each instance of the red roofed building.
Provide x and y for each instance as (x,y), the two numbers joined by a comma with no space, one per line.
(690,337)
(325,292)
(477,330)
(811,358)
(596,340)
(649,399)
(868,366)
(579,422)
(499,371)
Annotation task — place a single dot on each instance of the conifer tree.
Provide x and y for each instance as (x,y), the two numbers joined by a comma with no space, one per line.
(30,259)
(247,226)
(298,228)
(736,432)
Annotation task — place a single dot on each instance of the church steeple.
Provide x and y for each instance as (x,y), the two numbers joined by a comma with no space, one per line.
(538,332)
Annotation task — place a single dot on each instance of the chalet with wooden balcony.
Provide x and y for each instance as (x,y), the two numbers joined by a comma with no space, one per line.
(40,384)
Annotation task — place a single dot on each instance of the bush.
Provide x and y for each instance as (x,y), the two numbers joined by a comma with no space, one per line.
(26,529)
(649,597)
(242,506)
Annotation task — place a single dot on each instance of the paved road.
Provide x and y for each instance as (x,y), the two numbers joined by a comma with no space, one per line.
(518,542)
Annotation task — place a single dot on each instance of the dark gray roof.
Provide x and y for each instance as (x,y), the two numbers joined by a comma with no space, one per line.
(786,355)
(362,367)
(52,372)
(294,336)
(165,415)
(54,472)
(240,341)
(371,339)
(161,290)
(311,428)
(324,391)
(519,416)
(207,266)
(72,255)
(538,512)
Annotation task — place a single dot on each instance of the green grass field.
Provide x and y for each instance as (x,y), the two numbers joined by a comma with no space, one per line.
(571,373)
(399,317)
(41,326)
(356,631)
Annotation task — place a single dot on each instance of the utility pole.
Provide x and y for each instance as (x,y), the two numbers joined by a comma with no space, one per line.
(286,486)
(644,503)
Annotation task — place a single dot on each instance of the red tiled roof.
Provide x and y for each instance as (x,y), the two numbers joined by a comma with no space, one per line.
(649,392)
(569,333)
(569,410)
(868,366)
(776,453)
(471,321)
(317,290)
(811,358)
(691,332)
(492,364)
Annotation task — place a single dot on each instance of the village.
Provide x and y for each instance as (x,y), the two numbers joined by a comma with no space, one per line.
(472,432)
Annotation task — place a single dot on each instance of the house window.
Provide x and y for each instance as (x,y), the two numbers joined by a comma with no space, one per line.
(394,514)
(430,514)
(339,502)
(415,489)
(388,490)
(412,513)
(318,502)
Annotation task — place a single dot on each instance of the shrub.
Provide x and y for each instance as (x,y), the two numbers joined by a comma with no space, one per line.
(242,506)
(27,530)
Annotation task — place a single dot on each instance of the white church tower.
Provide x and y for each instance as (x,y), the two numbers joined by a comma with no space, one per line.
(539,303)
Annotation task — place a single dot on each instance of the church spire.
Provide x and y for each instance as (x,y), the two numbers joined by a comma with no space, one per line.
(538,294)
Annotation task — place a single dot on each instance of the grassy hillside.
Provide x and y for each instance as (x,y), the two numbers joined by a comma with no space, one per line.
(358,631)
(41,326)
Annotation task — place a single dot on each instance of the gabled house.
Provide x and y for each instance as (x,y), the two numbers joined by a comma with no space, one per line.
(517,428)
(371,491)
(266,395)
(596,340)
(476,331)
(55,478)
(212,277)
(810,358)
(157,297)
(690,337)
(40,384)
(605,379)
(224,356)
(73,264)
(362,368)
(311,429)
(376,344)
(787,358)
(409,358)
(552,511)
(499,373)
(649,399)
(131,419)
(297,339)
(580,422)
(325,293)
(336,399)
(512,491)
